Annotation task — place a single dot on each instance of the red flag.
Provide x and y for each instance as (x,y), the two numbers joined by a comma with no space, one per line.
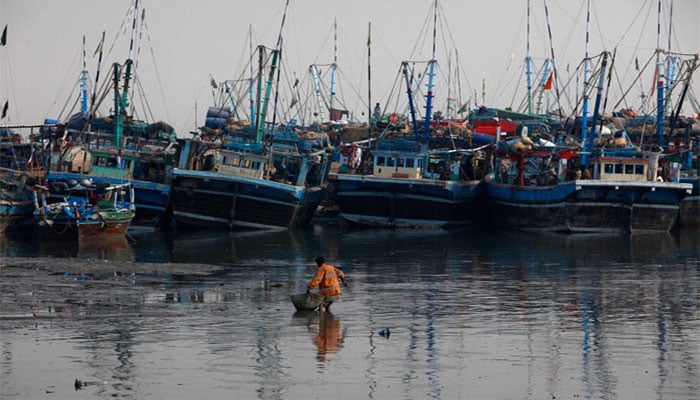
(548,84)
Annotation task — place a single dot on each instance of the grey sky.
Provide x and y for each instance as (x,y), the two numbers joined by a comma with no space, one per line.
(184,42)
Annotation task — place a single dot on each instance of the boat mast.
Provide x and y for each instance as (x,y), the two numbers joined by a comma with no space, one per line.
(598,96)
(119,113)
(586,77)
(670,64)
(528,64)
(97,74)
(660,81)
(83,83)
(431,78)
(251,82)
(271,76)
(317,91)
(334,67)
(369,73)
(411,106)
(121,110)
(551,50)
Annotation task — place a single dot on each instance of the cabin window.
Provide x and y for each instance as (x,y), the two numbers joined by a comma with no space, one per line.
(224,160)
(399,162)
(235,161)
(608,168)
(410,163)
(389,162)
(629,169)
(639,169)
(380,161)
(246,163)
(618,168)
(255,165)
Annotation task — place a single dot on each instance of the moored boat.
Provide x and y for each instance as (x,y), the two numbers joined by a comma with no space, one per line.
(89,213)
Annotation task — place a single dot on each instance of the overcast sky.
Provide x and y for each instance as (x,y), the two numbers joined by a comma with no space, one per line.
(184,43)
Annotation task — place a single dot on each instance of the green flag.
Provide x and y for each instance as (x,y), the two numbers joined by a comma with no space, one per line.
(3,39)
(213,83)
(294,102)
(636,63)
(4,108)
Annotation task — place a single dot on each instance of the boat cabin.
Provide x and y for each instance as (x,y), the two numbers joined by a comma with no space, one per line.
(397,165)
(249,165)
(621,169)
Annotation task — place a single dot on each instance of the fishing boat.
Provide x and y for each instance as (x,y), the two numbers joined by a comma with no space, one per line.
(608,186)
(21,167)
(419,172)
(118,148)
(403,184)
(89,212)
(254,175)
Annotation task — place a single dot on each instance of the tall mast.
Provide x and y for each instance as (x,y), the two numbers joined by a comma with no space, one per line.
(127,73)
(334,67)
(670,70)
(271,76)
(317,91)
(411,106)
(118,107)
(528,64)
(551,50)
(431,78)
(83,83)
(598,96)
(369,72)
(97,74)
(660,81)
(251,83)
(586,77)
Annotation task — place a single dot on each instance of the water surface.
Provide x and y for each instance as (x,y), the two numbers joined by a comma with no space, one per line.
(427,314)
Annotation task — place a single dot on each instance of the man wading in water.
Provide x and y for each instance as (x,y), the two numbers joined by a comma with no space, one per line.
(326,278)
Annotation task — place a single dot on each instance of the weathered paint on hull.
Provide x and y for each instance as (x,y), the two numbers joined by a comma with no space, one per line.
(690,211)
(87,229)
(400,203)
(152,199)
(589,206)
(205,200)
(15,214)
(536,208)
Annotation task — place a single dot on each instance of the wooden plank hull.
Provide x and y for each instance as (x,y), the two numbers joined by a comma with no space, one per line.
(217,201)
(589,206)
(406,203)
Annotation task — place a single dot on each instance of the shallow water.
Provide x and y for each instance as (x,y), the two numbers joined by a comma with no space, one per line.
(427,314)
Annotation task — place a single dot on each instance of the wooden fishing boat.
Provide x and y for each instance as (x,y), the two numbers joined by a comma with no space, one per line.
(117,148)
(90,213)
(403,184)
(21,167)
(255,175)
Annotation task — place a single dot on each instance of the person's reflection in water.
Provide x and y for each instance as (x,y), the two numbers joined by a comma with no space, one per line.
(329,340)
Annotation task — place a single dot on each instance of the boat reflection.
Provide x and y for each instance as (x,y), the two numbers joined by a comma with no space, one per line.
(113,249)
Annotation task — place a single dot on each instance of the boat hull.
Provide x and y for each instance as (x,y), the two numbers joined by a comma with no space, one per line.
(632,207)
(15,214)
(370,201)
(537,208)
(209,200)
(152,199)
(589,206)
(86,230)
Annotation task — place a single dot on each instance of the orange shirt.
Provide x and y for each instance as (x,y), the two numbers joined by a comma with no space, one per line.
(326,278)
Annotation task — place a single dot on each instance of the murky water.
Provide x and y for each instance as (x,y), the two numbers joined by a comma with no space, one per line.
(440,315)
